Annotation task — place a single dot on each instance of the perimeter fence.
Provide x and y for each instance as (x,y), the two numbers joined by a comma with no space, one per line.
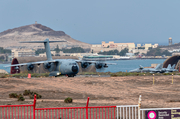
(87,112)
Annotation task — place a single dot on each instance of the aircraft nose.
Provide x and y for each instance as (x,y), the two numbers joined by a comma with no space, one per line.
(74,68)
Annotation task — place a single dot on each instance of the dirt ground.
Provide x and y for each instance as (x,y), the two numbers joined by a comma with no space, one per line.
(101,90)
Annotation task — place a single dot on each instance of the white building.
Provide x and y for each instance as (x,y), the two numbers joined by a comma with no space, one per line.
(22,53)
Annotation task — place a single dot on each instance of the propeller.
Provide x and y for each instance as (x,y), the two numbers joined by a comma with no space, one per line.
(30,67)
(100,67)
(85,64)
(49,67)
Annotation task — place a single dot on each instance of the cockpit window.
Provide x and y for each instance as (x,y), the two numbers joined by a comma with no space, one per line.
(72,63)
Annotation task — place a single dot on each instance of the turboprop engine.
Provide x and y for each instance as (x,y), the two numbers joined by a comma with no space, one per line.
(100,65)
(30,66)
(84,64)
(49,66)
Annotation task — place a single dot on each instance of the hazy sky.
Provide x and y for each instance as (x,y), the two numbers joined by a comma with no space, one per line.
(93,21)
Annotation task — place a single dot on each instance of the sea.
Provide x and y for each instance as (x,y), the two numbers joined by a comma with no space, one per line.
(121,65)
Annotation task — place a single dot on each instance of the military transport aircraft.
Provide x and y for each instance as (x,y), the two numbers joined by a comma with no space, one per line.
(67,67)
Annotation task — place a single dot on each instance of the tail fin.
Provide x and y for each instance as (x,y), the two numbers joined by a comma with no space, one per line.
(173,66)
(46,45)
(141,67)
(169,66)
(159,66)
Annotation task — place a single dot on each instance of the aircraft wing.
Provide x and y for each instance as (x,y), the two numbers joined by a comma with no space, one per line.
(40,62)
(95,62)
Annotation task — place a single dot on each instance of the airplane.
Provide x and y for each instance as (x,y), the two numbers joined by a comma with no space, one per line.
(58,67)
(163,70)
(158,69)
(151,70)
(138,69)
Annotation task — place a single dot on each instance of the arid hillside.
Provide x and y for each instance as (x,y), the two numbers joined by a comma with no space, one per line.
(11,37)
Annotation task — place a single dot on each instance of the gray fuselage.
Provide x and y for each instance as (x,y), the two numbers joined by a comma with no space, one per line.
(67,66)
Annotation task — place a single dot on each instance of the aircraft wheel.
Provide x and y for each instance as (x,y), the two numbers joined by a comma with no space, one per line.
(71,75)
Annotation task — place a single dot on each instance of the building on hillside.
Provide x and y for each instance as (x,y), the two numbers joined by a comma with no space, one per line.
(140,51)
(53,53)
(138,45)
(79,55)
(155,45)
(111,44)
(147,46)
(96,46)
(120,46)
(22,53)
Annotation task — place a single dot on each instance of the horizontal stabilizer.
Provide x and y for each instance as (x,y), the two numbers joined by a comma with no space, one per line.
(46,45)
(41,41)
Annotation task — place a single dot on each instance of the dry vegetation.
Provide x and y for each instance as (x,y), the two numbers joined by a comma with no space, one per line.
(101,90)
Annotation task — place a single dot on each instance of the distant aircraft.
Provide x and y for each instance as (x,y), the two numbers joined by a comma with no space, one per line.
(138,69)
(158,69)
(151,70)
(57,67)
(170,69)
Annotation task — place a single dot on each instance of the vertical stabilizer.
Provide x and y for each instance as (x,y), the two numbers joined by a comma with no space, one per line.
(46,45)
(169,66)
(159,66)
(141,67)
(47,48)
(173,67)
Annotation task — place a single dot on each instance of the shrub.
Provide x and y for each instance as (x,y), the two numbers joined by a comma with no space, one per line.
(16,75)
(21,98)
(31,94)
(13,95)
(68,100)
(37,95)
(3,75)
(26,92)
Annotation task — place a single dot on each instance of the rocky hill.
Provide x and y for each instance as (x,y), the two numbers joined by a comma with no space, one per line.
(10,38)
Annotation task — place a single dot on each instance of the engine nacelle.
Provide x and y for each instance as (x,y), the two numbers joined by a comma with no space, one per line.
(47,65)
(101,65)
(30,66)
(84,64)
